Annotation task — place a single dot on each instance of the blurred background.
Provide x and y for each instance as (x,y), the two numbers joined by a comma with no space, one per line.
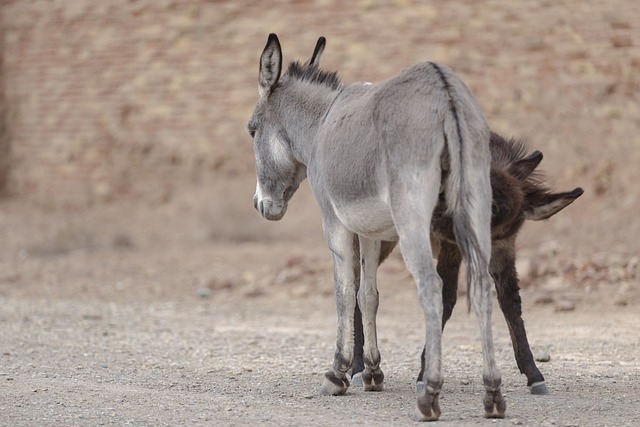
(123,128)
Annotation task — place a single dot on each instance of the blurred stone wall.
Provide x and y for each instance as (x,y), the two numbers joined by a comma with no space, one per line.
(141,99)
(116,98)
(4,128)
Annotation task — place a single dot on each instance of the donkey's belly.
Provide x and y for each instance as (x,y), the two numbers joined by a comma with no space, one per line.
(370,217)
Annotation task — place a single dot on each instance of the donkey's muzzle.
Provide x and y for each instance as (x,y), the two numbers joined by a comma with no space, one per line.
(269,209)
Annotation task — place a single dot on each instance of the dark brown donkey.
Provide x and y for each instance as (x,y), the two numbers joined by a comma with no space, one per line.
(519,193)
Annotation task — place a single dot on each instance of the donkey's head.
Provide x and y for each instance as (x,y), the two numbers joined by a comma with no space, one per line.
(279,171)
(519,192)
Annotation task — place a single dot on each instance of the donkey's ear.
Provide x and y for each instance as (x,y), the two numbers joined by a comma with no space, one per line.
(539,207)
(522,168)
(270,65)
(317,52)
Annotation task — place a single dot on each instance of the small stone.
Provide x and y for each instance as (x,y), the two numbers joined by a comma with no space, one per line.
(123,241)
(253,291)
(216,284)
(543,356)
(564,306)
(621,302)
(300,291)
(294,261)
(544,298)
(204,292)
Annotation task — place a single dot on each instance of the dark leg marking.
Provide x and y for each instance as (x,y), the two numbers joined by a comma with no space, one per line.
(358,354)
(506,281)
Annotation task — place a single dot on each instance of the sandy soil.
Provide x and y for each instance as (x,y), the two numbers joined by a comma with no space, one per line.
(109,326)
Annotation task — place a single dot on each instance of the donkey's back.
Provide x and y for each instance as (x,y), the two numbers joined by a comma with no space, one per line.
(407,112)
(373,134)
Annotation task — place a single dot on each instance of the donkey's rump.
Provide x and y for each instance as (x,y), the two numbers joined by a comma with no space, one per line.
(383,130)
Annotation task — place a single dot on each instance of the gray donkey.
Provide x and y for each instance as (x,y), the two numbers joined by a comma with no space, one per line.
(519,193)
(377,158)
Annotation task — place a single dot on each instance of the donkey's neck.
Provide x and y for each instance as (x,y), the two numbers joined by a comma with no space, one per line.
(307,105)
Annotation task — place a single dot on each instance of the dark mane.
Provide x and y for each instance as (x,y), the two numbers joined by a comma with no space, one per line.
(313,74)
(506,151)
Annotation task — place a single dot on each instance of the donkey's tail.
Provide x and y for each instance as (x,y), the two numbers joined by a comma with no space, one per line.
(468,185)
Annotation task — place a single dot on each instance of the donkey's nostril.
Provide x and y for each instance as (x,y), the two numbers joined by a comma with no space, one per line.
(261,208)
(255,202)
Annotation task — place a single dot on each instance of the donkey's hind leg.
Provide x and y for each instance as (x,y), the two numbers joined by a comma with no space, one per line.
(449,260)
(481,298)
(372,375)
(412,207)
(494,403)
(416,252)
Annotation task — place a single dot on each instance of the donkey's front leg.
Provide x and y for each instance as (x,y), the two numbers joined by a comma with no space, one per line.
(343,247)
(386,247)
(503,270)
(372,375)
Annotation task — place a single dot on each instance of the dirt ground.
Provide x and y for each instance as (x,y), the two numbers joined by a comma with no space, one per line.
(195,311)
(147,320)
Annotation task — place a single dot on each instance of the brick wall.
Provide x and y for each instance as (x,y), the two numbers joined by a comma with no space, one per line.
(115,98)
(4,128)
(141,98)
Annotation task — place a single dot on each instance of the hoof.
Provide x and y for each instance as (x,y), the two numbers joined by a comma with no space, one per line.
(356,380)
(539,388)
(334,385)
(494,404)
(373,381)
(421,418)
(428,404)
